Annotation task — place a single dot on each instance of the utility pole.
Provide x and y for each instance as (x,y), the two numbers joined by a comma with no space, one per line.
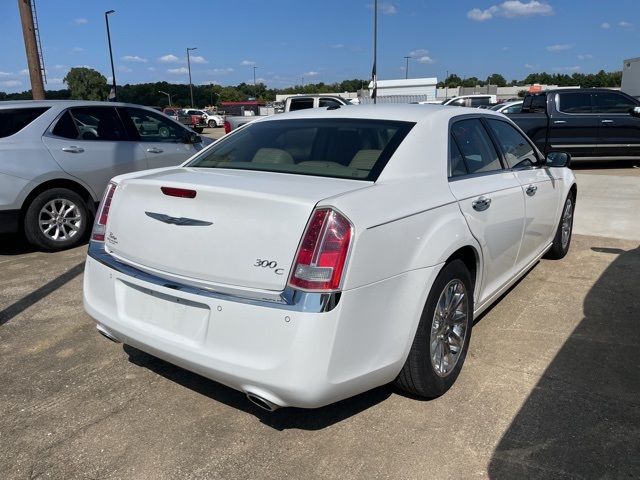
(255,88)
(31,48)
(113,95)
(189,66)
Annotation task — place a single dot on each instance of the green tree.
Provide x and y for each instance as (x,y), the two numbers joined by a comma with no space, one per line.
(86,84)
(497,79)
(470,82)
(453,81)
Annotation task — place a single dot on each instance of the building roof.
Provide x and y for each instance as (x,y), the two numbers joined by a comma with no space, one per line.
(405,82)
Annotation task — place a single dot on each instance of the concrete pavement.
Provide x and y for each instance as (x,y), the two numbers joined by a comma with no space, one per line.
(550,388)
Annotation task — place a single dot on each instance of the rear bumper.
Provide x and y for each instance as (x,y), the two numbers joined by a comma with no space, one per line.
(9,221)
(291,355)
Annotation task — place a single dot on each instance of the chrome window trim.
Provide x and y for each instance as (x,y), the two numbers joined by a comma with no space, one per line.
(289,299)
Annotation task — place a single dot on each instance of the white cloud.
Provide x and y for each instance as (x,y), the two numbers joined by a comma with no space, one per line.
(178,71)
(55,81)
(151,69)
(311,74)
(419,52)
(560,47)
(504,49)
(11,83)
(511,9)
(624,24)
(80,21)
(337,45)
(575,68)
(210,82)
(60,67)
(5,74)
(528,66)
(198,59)
(24,71)
(247,63)
(124,69)
(605,25)
(169,58)
(585,56)
(134,58)
(424,59)
(388,8)
(220,71)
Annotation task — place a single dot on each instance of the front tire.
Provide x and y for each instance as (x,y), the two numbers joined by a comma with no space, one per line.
(562,240)
(212,124)
(56,219)
(442,339)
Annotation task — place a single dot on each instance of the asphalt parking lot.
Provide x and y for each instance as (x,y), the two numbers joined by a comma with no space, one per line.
(550,388)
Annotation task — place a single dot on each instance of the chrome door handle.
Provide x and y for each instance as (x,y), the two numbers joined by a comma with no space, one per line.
(73,149)
(531,190)
(559,122)
(154,150)
(481,204)
(606,121)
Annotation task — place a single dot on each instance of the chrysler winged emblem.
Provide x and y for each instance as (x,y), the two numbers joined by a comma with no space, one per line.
(180,221)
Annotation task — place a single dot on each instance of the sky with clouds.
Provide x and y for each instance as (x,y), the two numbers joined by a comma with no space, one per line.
(290,41)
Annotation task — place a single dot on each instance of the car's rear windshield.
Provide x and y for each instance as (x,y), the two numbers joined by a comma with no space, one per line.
(340,148)
(15,119)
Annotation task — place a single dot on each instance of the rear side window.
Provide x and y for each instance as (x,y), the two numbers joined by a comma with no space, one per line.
(301,104)
(476,146)
(457,167)
(15,119)
(612,103)
(91,123)
(517,151)
(329,102)
(575,102)
(340,148)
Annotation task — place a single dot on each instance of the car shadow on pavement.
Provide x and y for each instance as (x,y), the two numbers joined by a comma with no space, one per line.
(281,419)
(582,419)
(14,244)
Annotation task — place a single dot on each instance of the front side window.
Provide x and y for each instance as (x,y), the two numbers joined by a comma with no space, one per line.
(516,108)
(612,103)
(575,102)
(152,127)
(339,148)
(477,101)
(13,120)
(460,102)
(517,151)
(476,146)
(329,102)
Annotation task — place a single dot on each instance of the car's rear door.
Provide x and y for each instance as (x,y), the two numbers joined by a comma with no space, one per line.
(618,131)
(573,126)
(91,143)
(541,192)
(161,139)
(490,198)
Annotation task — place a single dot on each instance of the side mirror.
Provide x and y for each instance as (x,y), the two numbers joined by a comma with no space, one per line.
(635,112)
(558,159)
(192,137)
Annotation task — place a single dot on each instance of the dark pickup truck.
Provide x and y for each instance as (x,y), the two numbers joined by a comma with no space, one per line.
(587,123)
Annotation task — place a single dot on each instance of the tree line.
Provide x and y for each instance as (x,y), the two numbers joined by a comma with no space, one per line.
(88,84)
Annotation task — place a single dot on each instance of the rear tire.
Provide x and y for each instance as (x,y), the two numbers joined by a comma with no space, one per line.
(442,339)
(562,240)
(56,219)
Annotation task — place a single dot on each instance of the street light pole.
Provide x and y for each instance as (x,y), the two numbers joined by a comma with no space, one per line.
(189,66)
(255,88)
(374,70)
(406,69)
(167,94)
(113,70)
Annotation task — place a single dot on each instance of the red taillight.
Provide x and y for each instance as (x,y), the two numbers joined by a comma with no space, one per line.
(322,254)
(227,127)
(103,214)
(178,192)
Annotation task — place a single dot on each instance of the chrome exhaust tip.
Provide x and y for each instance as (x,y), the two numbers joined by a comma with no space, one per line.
(106,334)
(262,402)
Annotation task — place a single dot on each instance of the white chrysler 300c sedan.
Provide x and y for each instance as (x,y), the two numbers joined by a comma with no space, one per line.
(311,256)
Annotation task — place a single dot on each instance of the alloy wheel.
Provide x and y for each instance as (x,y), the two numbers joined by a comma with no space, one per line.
(60,219)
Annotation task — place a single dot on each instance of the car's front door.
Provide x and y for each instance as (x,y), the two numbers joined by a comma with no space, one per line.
(491,200)
(541,190)
(161,139)
(618,131)
(92,144)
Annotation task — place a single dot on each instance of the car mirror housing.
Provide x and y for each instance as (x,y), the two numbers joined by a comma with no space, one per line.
(558,159)
(635,112)
(191,137)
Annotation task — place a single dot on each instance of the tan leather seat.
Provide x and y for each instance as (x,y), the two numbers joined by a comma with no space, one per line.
(365,159)
(272,155)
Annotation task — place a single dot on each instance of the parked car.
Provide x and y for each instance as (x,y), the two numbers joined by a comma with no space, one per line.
(212,119)
(592,123)
(56,158)
(314,255)
(508,107)
(197,120)
(471,100)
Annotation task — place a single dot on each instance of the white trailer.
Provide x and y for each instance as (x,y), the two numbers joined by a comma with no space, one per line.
(631,77)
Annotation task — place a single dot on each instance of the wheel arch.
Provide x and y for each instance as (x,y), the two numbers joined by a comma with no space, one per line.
(470,256)
(59,183)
